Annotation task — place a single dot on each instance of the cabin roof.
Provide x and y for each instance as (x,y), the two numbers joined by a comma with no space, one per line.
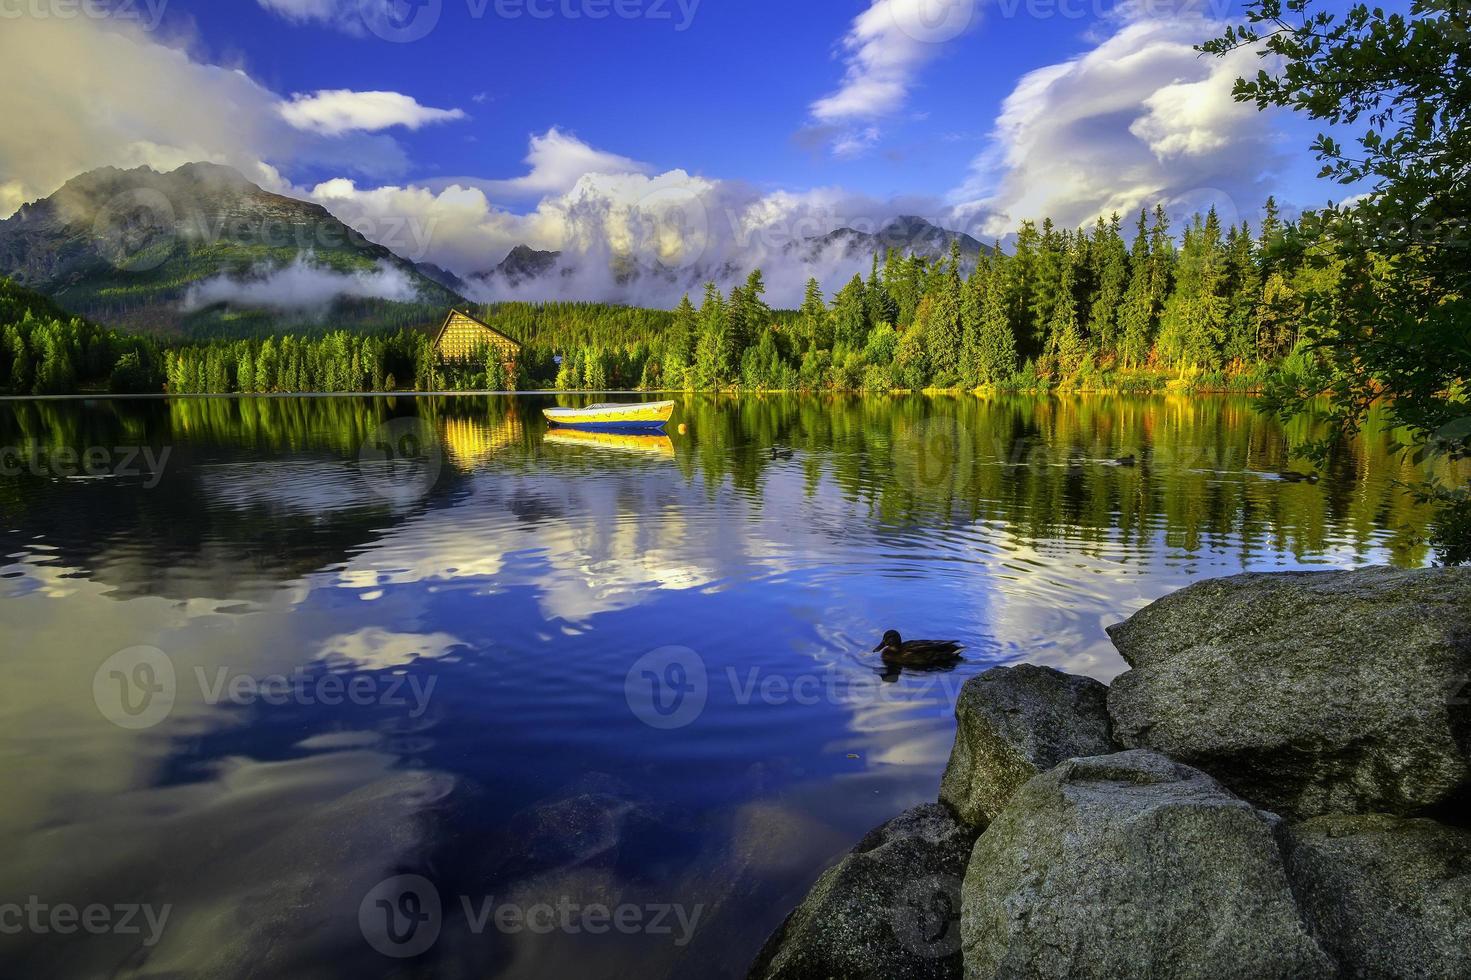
(450,316)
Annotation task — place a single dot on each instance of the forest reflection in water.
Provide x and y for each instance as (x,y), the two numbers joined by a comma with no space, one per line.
(508,583)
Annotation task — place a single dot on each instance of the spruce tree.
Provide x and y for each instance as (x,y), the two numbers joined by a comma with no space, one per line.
(941,329)
(1065,341)
(816,328)
(1111,263)
(712,354)
(995,342)
(850,317)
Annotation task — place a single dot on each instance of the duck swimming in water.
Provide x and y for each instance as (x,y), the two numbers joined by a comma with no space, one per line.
(917,653)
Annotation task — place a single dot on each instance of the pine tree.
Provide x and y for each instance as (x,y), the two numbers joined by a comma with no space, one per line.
(881,308)
(1139,314)
(679,344)
(1046,283)
(972,309)
(1243,289)
(850,317)
(1020,286)
(1110,258)
(1065,341)
(941,328)
(995,342)
(1194,316)
(816,326)
(712,354)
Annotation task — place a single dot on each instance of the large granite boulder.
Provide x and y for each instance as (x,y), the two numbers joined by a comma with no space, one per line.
(888,911)
(1387,897)
(1308,692)
(1131,865)
(1012,723)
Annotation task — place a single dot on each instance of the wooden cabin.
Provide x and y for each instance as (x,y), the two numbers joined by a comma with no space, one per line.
(462,336)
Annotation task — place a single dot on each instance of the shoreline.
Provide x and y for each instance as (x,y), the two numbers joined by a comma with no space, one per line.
(1263,793)
(953,392)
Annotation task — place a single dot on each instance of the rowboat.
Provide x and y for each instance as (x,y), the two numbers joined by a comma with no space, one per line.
(613,416)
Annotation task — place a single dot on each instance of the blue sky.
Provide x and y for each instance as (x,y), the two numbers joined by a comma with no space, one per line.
(760,123)
(725,91)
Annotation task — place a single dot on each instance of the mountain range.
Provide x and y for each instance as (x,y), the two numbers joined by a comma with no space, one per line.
(203,251)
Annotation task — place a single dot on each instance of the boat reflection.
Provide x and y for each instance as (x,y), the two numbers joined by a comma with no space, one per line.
(643,443)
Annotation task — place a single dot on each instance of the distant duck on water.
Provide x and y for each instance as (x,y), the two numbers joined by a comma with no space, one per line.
(1291,476)
(917,653)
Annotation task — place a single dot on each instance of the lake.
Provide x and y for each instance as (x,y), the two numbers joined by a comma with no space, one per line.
(408,686)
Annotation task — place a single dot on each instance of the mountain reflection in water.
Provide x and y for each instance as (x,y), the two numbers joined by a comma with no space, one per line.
(496,619)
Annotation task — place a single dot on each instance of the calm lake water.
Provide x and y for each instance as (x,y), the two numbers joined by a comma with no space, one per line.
(265,657)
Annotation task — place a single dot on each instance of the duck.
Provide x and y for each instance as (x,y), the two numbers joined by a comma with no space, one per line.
(1126,461)
(1294,477)
(917,653)
(781,453)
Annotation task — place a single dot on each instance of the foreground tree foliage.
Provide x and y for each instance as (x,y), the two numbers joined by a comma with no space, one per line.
(1390,319)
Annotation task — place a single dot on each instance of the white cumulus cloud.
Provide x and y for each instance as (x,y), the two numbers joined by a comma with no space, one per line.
(1141,118)
(333,112)
(558,161)
(884,50)
(79,94)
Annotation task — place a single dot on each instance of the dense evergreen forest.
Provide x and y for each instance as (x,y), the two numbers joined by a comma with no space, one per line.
(1086,309)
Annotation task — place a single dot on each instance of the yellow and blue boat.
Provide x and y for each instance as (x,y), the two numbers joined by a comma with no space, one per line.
(614,416)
